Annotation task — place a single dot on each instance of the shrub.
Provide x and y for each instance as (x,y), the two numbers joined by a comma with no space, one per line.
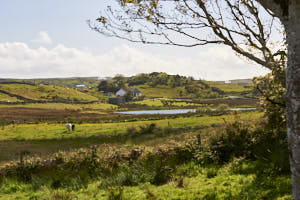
(235,141)
(241,140)
(131,131)
(148,129)
(61,195)
(223,107)
(115,193)
(161,165)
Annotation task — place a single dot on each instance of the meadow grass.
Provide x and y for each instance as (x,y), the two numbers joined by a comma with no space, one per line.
(230,88)
(46,131)
(199,182)
(63,106)
(5,97)
(157,102)
(46,92)
(42,139)
(239,179)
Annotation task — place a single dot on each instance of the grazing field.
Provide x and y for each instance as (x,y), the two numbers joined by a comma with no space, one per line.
(63,82)
(46,92)
(159,102)
(168,168)
(7,98)
(230,88)
(45,130)
(44,138)
(63,106)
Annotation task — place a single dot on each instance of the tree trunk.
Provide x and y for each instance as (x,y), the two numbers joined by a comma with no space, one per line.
(293,94)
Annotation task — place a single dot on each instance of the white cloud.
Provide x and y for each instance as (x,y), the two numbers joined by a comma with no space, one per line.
(215,63)
(42,39)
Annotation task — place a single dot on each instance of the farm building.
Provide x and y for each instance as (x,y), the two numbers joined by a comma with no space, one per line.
(81,86)
(240,81)
(135,92)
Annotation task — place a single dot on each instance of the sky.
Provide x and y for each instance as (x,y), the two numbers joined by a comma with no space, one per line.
(50,38)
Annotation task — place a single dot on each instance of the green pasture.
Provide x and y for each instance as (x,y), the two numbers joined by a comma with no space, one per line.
(158,102)
(44,130)
(63,82)
(46,92)
(5,97)
(230,88)
(159,91)
(63,106)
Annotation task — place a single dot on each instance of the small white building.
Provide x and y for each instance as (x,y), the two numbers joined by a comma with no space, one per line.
(81,86)
(121,92)
(135,92)
(240,81)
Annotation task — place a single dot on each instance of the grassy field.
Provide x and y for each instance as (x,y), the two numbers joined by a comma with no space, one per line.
(46,92)
(219,183)
(63,106)
(158,102)
(238,179)
(230,88)
(44,139)
(44,130)
(159,91)
(63,82)
(7,98)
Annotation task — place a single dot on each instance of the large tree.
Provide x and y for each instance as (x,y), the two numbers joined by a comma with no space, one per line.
(250,27)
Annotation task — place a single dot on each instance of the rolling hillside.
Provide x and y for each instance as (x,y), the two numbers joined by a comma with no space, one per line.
(63,82)
(230,88)
(42,92)
(7,98)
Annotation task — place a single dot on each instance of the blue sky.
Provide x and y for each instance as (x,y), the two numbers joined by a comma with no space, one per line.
(50,38)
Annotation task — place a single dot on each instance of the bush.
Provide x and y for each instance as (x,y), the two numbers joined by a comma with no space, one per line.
(235,141)
(148,129)
(61,195)
(241,140)
(223,107)
(115,193)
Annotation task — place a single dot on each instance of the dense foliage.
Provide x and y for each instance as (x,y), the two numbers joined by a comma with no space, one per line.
(185,85)
(273,92)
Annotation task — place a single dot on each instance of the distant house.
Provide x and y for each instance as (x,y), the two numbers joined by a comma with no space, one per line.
(240,81)
(121,92)
(135,92)
(81,86)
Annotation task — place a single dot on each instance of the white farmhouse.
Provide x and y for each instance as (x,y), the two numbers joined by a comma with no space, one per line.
(135,92)
(81,86)
(121,92)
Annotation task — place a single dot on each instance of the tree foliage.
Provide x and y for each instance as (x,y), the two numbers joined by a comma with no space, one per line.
(245,26)
(112,85)
(272,88)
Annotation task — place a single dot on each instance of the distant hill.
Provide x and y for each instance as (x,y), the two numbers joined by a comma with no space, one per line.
(159,84)
(22,92)
(155,84)
(63,82)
